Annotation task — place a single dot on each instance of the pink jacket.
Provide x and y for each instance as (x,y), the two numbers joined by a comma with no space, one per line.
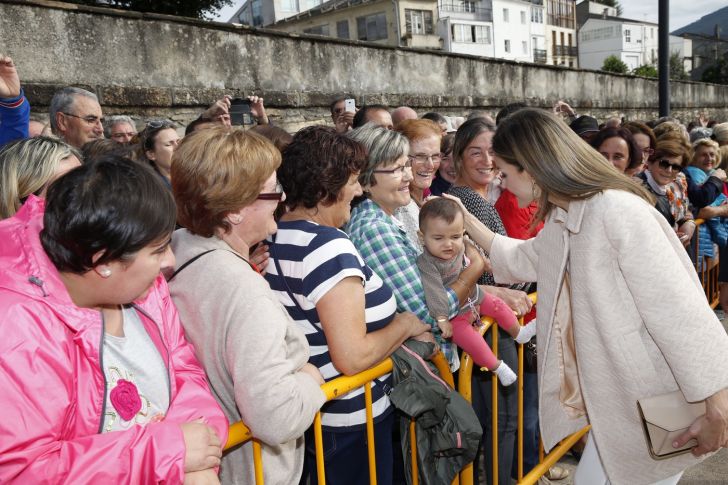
(52,386)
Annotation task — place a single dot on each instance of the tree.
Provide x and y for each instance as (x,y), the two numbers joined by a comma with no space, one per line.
(717,73)
(612,3)
(645,70)
(677,68)
(201,9)
(614,64)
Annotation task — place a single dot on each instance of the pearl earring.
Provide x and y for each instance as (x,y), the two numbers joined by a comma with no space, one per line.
(105,273)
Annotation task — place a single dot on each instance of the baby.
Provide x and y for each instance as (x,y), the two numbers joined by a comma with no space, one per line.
(442,230)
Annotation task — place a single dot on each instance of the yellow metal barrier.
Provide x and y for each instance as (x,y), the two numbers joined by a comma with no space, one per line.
(239,433)
(464,387)
(707,272)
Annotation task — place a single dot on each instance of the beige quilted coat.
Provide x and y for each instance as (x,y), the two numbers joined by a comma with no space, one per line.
(641,322)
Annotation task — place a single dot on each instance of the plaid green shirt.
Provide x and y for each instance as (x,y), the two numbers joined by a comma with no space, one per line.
(384,245)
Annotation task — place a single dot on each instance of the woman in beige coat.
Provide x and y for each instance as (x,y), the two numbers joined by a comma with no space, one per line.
(622,315)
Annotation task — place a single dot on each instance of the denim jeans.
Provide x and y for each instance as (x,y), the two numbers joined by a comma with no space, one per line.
(346,459)
(507,413)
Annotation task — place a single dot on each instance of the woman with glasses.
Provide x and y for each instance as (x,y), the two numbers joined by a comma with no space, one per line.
(446,174)
(382,240)
(644,138)
(157,142)
(255,356)
(664,178)
(424,137)
(346,311)
(618,298)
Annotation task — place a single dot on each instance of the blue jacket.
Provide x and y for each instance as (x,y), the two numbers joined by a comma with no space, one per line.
(14,118)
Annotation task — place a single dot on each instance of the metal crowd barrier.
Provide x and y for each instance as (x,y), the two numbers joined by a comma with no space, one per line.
(708,270)
(239,432)
(464,387)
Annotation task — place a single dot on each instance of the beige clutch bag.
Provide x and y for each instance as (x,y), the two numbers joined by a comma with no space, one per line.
(664,418)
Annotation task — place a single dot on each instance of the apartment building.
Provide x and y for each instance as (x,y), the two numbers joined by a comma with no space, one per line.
(261,13)
(410,23)
(561,39)
(466,27)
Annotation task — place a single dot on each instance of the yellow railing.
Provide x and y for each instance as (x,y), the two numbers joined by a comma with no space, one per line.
(708,271)
(239,432)
(464,387)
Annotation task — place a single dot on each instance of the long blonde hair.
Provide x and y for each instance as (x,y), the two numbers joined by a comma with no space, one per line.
(26,167)
(561,163)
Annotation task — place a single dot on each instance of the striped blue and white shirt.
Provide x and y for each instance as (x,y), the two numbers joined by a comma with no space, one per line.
(313,259)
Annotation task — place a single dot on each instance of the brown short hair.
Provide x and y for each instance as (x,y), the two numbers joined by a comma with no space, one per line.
(670,147)
(439,208)
(419,128)
(217,171)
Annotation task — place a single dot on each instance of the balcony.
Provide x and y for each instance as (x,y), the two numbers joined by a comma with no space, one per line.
(565,51)
(539,56)
(466,11)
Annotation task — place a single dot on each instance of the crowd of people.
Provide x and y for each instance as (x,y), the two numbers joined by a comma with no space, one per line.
(155,288)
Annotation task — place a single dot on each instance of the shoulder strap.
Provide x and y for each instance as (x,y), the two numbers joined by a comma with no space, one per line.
(198,256)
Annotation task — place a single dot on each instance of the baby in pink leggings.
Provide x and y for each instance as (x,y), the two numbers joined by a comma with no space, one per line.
(443,259)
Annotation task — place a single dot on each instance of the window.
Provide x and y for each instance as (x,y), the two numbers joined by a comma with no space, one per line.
(508,45)
(479,34)
(468,7)
(342,29)
(652,32)
(372,27)
(257,12)
(537,15)
(523,17)
(418,21)
(524,45)
(318,30)
(289,6)
(505,15)
(571,41)
(627,35)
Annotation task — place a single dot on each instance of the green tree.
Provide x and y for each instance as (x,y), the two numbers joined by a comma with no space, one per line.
(614,64)
(612,3)
(677,68)
(201,9)
(645,70)
(717,73)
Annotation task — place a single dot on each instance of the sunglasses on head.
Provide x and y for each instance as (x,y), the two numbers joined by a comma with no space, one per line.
(665,164)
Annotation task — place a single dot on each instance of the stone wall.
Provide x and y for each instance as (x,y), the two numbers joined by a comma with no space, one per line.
(161,66)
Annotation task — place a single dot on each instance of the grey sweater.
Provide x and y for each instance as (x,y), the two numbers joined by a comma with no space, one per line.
(251,351)
(438,273)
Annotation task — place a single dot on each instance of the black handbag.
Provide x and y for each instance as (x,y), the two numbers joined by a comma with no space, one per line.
(530,356)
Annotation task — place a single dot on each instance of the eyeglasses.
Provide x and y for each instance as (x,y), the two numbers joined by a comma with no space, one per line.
(155,124)
(90,120)
(277,195)
(421,158)
(665,164)
(398,171)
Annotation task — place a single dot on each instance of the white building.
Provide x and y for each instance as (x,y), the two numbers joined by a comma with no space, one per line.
(466,27)
(512,30)
(602,34)
(260,13)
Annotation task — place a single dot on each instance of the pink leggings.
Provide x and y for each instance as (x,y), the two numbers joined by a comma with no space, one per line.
(467,337)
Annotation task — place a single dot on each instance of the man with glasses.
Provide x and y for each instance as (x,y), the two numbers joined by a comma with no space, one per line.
(120,128)
(76,117)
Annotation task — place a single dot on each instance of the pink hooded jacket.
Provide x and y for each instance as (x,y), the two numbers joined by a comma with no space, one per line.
(52,387)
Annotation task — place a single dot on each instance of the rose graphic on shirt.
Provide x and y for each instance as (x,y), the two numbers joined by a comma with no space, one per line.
(125,399)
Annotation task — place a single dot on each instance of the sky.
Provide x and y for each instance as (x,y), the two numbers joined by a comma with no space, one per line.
(682,12)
